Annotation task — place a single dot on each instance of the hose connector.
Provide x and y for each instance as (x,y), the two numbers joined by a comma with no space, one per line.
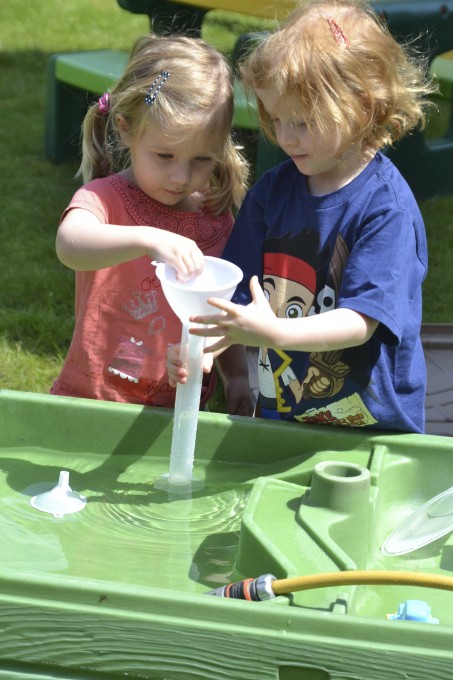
(252,589)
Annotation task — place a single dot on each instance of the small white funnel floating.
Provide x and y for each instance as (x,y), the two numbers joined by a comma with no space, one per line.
(60,500)
(218,279)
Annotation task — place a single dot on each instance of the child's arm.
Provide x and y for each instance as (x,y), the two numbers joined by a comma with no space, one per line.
(257,326)
(84,243)
(233,367)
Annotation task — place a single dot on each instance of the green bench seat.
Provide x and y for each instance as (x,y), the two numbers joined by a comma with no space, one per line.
(442,67)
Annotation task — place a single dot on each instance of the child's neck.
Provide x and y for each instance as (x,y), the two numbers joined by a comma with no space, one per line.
(350,167)
(191,203)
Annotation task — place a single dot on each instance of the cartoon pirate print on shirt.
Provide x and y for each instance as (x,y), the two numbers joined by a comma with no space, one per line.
(318,388)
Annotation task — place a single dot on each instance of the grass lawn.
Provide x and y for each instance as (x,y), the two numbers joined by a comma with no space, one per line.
(37,292)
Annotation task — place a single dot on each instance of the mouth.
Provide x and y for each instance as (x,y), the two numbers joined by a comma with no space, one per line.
(172,192)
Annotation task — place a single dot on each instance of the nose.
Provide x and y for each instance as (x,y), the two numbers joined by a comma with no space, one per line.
(286,135)
(180,173)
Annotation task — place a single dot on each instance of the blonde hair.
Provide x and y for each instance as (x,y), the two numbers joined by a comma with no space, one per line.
(339,67)
(197,98)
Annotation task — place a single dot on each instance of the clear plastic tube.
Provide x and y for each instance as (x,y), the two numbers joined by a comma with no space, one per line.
(180,479)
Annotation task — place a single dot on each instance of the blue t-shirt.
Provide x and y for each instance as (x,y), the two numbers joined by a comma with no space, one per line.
(363,248)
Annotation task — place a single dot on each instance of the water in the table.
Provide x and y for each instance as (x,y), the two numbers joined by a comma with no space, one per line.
(129,531)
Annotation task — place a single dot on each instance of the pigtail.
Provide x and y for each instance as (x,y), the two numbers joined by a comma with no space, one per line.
(97,158)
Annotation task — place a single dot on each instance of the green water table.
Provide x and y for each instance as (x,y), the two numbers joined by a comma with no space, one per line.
(118,589)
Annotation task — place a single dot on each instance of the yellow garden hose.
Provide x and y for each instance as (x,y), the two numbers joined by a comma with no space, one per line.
(372,577)
(268,586)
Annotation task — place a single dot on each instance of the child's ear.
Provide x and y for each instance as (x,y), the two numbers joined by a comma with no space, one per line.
(123,128)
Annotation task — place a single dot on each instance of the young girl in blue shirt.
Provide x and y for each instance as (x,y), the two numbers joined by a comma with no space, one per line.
(331,241)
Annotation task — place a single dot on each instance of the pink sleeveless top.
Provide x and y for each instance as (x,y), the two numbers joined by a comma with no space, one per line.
(123,323)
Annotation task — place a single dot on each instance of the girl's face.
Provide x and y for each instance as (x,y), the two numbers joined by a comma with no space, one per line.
(170,169)
(313,153)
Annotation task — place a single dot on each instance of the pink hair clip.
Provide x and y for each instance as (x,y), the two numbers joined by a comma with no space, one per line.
(104,104)
(340,37)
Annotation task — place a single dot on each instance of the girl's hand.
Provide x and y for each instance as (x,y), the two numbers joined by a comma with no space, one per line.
(237,324)
(177,371)
(180,252)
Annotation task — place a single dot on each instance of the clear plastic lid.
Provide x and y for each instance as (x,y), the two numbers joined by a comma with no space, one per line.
(431,521)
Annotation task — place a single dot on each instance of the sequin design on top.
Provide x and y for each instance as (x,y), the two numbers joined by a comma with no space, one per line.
(128,362)
(141,304)
(206,229)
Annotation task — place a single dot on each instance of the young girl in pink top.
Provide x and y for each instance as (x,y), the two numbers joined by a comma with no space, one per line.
(161,175)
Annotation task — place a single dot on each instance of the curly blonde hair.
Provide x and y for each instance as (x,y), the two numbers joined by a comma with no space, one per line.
(340,69)
(196,98)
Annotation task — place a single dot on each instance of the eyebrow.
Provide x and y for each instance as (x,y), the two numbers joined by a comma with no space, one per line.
(296,298)
(271,281)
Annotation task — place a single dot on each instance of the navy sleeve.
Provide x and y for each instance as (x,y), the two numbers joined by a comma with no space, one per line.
(383,273)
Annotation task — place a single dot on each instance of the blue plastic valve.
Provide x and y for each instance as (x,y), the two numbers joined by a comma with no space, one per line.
(413,610)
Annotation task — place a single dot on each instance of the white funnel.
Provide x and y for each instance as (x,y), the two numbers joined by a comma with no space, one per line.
(218,279)
(60,500)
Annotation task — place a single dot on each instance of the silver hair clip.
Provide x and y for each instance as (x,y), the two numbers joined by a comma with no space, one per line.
(153,91)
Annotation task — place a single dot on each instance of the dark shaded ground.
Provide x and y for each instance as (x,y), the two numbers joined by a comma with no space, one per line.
(438,345)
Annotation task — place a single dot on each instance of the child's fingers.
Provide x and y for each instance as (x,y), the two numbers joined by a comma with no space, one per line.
(191,266)
(225,308)
(221,344)
(173,354)
(176,375)
(211,331)
(256,290)
(175,369)
(208,362)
